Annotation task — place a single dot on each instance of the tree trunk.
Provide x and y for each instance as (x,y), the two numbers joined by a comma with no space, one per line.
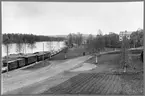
(7,56)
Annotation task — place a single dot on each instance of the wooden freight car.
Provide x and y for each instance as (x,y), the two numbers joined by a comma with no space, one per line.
(29,59)
(47,55)
(4,67)
(21,62)
(40,56)
(13,64)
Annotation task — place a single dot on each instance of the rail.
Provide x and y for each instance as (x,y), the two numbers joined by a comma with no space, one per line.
(28,60)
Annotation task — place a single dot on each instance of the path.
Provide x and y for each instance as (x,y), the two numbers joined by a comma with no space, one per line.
(26,78)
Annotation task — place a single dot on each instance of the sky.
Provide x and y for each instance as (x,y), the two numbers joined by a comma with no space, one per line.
(62,18)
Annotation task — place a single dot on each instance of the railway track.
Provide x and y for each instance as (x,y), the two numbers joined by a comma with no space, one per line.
(26,60)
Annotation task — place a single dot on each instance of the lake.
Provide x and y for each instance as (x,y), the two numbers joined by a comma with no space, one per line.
(48,46)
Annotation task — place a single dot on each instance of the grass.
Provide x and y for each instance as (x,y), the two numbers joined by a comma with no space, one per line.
(132,83)
(111,49)
(109,58)
(38,65)
(72,53)
(76,52)
(136,62)
(104,82)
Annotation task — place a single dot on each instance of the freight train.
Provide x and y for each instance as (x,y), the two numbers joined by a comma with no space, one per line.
(24,61)
(27,60)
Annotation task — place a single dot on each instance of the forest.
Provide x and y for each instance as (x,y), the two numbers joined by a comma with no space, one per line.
(91,42)
(100,41)
(28,38)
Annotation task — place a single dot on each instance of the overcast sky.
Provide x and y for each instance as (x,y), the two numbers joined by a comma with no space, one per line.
(62,18)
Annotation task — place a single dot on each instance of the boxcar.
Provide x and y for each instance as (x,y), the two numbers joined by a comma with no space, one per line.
(4,64)
(13,64)
(40,57)
(4,67)
(21,62)
(30,59)
(46,55)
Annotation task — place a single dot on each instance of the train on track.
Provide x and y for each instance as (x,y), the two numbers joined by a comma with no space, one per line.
(39,56)
(27,60)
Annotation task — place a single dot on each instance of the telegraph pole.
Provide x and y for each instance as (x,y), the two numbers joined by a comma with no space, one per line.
(125,53)
(43,53)
(7,57)
(124,36)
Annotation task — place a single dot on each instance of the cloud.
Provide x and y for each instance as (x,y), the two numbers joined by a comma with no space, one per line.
(62,18)
(28,9)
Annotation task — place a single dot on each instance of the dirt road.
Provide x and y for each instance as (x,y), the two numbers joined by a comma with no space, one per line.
(105,79)
(23,78)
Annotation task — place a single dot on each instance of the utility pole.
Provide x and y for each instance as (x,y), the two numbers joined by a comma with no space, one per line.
(7,56)
(125,53)
(43,53)
(25,45)
(124,36)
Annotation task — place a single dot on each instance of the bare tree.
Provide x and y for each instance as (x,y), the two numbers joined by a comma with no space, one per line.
(79,38)
(25,44)
(19,47)
(75,38)
(89,44)
(70,39)
(100,32)
(49,46)
(7,43)
(32,46)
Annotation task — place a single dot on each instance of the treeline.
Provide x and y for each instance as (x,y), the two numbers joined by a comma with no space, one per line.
(28,38)
(100,41)
(73,38)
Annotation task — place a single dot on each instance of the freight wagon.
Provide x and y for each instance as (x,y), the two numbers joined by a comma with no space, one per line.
(21,62)
(41,55)
(29,59)
(47,55)
(26,60)
(13,64)
(4,67)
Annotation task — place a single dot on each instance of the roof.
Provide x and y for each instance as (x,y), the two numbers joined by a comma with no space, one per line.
(41,53)
(28,55)
(11,60)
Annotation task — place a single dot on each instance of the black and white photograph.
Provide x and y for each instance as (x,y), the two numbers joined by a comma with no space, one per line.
(72,48)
